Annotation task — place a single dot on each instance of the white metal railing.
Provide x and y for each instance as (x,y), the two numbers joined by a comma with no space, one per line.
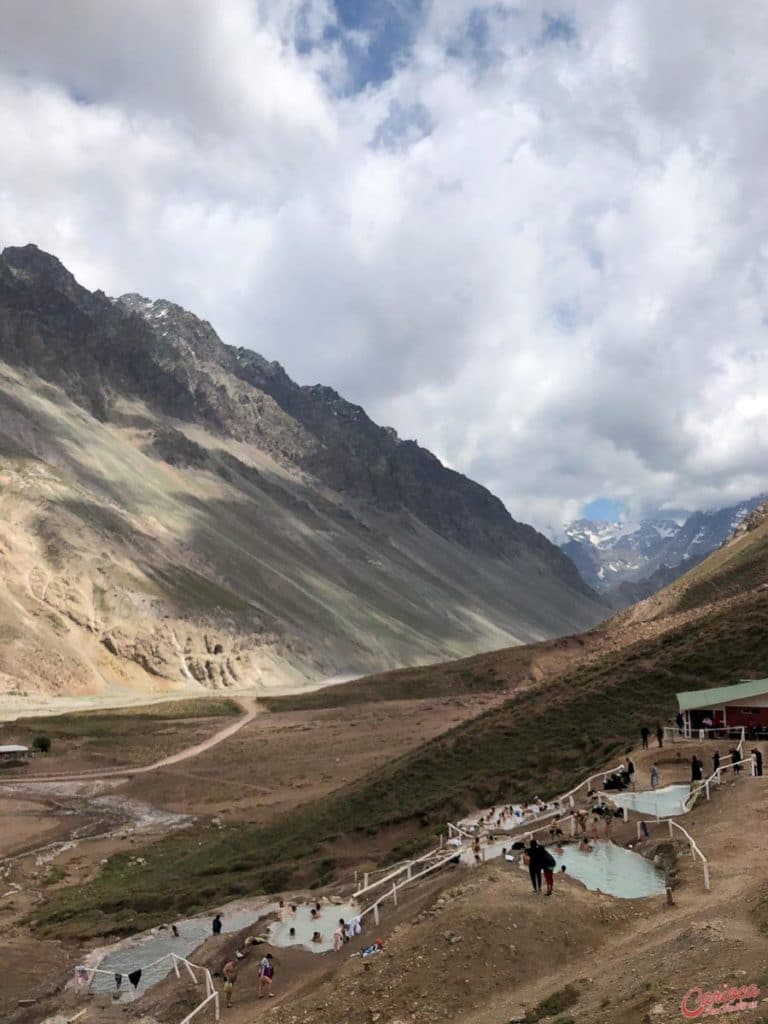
(405,869)
(588,783)
(561,804)
(676,735)
(366,876)
(211,995)
(406,872)
(642,829)
(413,877)
(714,779)
(457,830)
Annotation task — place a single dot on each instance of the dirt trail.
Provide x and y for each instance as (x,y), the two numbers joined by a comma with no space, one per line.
(250,711)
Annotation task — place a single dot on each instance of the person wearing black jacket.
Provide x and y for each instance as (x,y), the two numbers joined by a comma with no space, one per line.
(537,858)
(758,758)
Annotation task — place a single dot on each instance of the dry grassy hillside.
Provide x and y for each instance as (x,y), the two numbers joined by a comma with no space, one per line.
(573,706)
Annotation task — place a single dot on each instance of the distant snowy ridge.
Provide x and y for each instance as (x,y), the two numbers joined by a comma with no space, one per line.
(629,559)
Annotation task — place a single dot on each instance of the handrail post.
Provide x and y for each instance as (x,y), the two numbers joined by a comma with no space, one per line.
(706,875)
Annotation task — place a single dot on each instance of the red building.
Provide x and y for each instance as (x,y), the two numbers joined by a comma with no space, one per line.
(743,705)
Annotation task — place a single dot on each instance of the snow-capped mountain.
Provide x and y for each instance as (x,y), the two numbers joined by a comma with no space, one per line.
(630,560)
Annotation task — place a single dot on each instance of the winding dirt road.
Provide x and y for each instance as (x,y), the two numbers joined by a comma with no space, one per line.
(250,711)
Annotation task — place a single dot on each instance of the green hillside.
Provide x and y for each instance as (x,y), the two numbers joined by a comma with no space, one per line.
(540,742)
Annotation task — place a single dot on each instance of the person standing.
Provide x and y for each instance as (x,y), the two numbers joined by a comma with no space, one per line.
(535,865)
(696,767)
(654,776)
(735,758)
(679,722)
(549,865)
(757,757)
(645,732)
(631,772)
(716,761)
(659,735)
(266,974)
(216,925)
(229,973)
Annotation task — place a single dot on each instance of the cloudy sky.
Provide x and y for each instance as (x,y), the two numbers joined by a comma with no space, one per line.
(533,236)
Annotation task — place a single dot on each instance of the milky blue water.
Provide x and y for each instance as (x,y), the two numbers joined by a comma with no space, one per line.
(613,870)
(146,948)
(150,946)
(662,803)
(305,926)
(608,868)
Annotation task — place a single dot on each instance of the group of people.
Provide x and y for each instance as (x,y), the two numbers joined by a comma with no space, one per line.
(229,971)
(345,930)
(540,862)
(510,815)
(645,733)
(622,778)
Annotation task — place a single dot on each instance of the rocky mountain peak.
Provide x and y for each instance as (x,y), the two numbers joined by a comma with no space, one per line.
(756,518)
(261,527)
(27,268)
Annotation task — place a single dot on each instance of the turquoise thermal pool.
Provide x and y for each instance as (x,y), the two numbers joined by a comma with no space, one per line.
(151,946)
(159,942)
(609,869)
(305,926)
(658,803)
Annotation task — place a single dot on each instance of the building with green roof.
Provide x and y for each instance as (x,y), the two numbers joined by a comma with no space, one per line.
(744,705)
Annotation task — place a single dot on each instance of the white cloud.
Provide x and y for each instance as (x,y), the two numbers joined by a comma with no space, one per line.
(538,246)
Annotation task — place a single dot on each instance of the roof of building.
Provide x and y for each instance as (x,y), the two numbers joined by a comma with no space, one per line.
(12,748)
(722,694)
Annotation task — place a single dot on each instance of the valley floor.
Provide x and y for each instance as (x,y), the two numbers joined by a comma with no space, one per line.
(472,944)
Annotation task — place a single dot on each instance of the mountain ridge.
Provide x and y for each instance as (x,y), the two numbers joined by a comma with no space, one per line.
(206,521)
(627,562)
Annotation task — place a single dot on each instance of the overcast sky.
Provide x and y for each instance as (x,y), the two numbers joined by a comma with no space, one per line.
(532,236)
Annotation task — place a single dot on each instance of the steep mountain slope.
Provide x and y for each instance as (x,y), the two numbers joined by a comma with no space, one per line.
(179,512)
(630,561)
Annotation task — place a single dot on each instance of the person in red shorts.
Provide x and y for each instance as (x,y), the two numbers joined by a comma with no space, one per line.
(549,864)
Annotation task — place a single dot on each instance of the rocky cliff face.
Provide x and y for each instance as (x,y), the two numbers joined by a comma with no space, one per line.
(178,511)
